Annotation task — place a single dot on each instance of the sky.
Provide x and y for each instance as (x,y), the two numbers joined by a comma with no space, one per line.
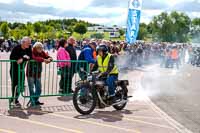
(105,12)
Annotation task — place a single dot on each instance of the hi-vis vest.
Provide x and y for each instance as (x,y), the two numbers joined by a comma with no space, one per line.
(174,54)
(103,65)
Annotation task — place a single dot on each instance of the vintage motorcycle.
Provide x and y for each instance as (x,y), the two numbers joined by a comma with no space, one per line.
(93,92)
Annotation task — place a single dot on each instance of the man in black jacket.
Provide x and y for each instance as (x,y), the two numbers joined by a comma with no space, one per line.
(72,52)
(20,53)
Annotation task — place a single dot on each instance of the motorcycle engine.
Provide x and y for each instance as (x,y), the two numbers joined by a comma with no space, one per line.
(103,91)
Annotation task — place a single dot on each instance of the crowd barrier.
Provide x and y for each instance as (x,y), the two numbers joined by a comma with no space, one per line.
(52,80)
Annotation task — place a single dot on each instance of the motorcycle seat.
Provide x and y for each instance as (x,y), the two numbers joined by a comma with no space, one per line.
(122,82)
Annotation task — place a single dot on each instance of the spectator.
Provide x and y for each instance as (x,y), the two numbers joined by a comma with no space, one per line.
(63,55)
(86,55)
(133,55)
(167,58)
(34,70)
(20,53)
(115,50)
(139,55)
(175,57)
(83,44)
(72,53)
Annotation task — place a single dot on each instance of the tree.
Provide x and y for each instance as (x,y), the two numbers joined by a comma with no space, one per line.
(80,28)
(18,33)
(97,36)
(162,28)
(181,26)
(196,21)
(45,29)
(195,30)
(37,27)
(172,27)
(142,32)
(5,30)
(70,29)
(121,32)
(29,29)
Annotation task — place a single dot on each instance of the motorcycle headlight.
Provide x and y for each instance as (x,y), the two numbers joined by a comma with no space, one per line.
(89,78)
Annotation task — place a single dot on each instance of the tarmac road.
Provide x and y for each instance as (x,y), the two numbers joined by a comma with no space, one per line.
(176,92)
(58,114)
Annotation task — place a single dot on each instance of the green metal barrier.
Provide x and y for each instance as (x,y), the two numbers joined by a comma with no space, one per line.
(49,76)
(9,83)
(5,79)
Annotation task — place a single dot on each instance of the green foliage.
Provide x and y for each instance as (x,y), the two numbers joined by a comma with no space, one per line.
(77,36)
(162,28)
(80,28)
(97,36)
(195,30)
(181,26)
(37,27)
(4,30)
(173,27)
(121,32)
(45,29)
(170,27)
(142,32)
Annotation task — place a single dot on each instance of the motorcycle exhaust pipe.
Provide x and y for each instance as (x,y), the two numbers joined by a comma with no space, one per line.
(129,96)
(121,102)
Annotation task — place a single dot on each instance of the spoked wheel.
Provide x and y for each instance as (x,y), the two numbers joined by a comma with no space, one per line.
(84,100)
(121,95)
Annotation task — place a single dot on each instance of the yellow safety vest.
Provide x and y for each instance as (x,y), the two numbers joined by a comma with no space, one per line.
(103,65)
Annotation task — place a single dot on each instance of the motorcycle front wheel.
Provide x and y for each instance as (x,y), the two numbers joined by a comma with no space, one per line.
(84,99)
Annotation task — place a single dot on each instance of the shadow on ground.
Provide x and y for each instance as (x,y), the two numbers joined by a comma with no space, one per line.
(107,116)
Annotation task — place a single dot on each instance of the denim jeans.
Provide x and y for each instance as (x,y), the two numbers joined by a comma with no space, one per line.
(110,81)
(175,61)
(35,86)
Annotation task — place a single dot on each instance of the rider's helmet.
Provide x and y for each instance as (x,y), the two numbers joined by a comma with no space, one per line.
(102,48)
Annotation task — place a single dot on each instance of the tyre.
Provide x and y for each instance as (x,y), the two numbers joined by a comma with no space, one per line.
(84,100)
(122,95)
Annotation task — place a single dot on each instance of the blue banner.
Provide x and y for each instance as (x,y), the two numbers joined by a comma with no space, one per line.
(133,21)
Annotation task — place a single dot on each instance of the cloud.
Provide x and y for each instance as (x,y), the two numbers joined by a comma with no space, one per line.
(147,4)
(60,4)
(107,12)
(21,7)
(38,10)
(189,6)
(6,1)
(154,5)
(109,3)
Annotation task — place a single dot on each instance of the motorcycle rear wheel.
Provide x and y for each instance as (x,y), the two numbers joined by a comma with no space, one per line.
(123,95)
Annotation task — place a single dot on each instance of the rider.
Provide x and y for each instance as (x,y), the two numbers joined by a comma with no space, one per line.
(106,65)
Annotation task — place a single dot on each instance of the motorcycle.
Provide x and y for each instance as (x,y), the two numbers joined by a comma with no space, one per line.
(93,92)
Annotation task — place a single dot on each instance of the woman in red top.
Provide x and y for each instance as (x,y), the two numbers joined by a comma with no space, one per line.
(34,70)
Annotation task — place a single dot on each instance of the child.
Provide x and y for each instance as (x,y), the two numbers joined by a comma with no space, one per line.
(34,71)
(64,66)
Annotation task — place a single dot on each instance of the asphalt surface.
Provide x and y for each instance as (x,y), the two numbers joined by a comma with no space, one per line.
(58,115)
(141,115)
(176,92)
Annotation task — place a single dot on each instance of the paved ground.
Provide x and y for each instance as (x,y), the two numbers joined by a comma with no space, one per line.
(58,115)
(176,92)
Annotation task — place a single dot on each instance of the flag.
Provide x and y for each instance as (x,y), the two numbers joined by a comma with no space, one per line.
(133,21)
